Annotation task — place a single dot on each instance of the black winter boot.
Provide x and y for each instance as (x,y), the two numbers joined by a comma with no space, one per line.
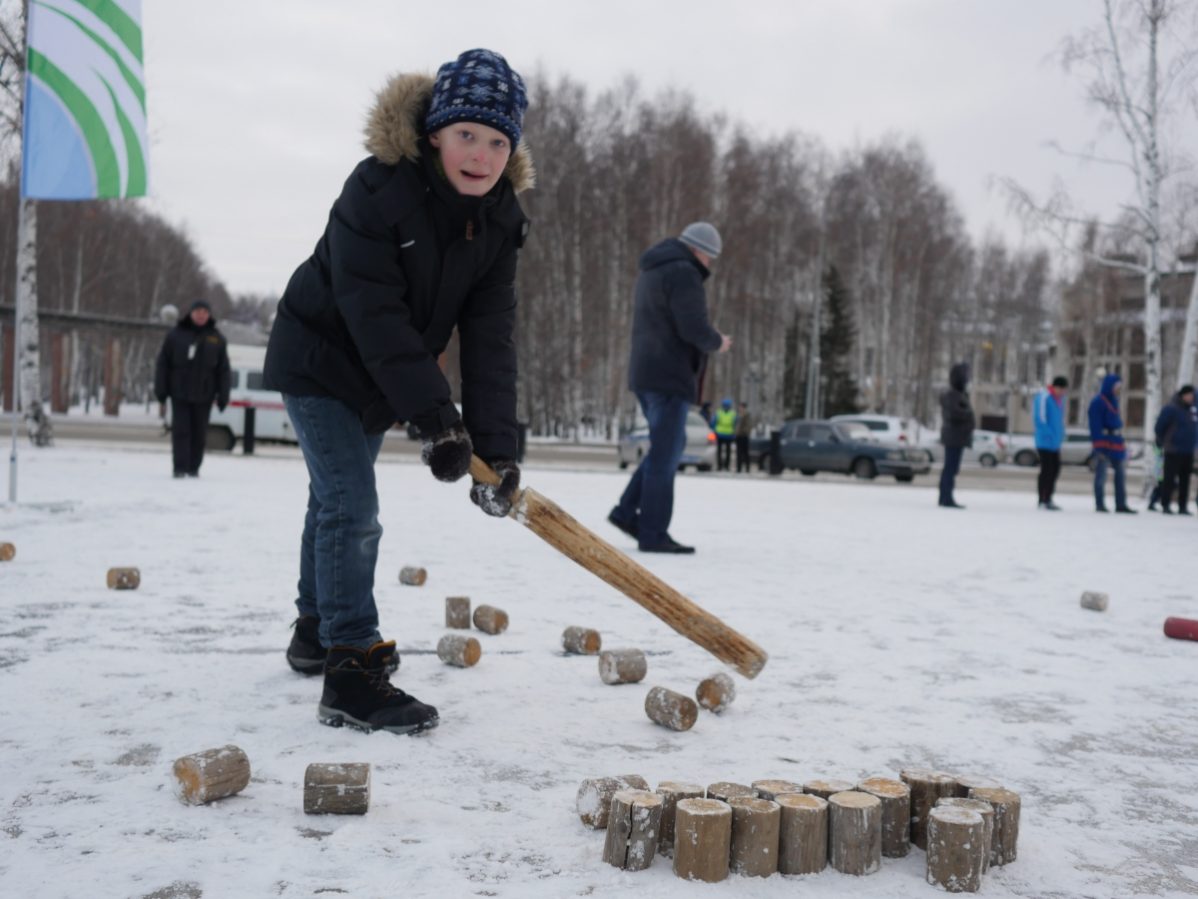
(306,655)
(358,693)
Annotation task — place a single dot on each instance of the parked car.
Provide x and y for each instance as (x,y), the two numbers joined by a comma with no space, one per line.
(271,422)
(1075,450)
(812,446)
(885,428)
(988,450)
(700,444)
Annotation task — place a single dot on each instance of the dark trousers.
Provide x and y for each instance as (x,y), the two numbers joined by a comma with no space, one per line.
(742,452)
(948,475)
(648,499)
(1119,466)
(1177,473)
(189,431)
(1050,468)
(723,453)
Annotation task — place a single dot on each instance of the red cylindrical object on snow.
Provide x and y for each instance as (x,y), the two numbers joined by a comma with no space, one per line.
(1181,628)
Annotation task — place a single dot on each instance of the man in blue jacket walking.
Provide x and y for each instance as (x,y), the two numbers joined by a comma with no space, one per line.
(1049,418)
(1176,430)
(1106,436)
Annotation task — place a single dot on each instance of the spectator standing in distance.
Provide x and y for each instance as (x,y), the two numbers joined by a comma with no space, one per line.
(1110,450)
(193,371)
(744,430)
(956,430)
(423,239)
(1048,415)
(1176,429)
(724,425)
(671,337)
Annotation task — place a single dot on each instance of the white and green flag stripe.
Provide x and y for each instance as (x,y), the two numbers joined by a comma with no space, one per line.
(85,101)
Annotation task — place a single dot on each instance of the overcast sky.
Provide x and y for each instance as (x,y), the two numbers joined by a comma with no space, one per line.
(256,107)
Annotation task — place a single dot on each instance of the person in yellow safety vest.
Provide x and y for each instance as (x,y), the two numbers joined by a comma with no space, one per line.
(724,425)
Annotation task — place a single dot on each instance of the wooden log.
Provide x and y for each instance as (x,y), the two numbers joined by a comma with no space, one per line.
(1181,628)
(457,612)
(716,693)
(670,709)
(459,650)
(803,833)
(622,666)
(337,789)
(967,782)
(895,797)
(8,552)
(702,839)
(955,849)
(581,641)
(983,808)
(490,620)
(123,578)
(770,789)
(1095,601)
(633,828)
(594,797)
(212,774)
(412,576)
(825,789)
(927,788)
(855,832)
(754,847)
(671,792)
(1004,844)
(724,790)
(557,528)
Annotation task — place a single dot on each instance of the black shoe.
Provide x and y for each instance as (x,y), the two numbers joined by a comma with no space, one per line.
(1152,507)
(668,545)
(1128,510)
(1103,509)
(1166,510)
(307,656)
(1184,512)
(193,474)
(357,692)
(1050,506)
(630,528)
(179,474)
(951,504)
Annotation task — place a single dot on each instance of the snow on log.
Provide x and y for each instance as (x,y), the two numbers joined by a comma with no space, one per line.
(594,797)
(927,788)
(633,827)
(123,578)
(459,651)
(895,797)
(1095,601)
(457,612)
(212,774)
(412,576)
(671,792)
(1181,628)
(983,808)
(581,641)
(622,666)
(967,782)
(670,709)
(1004,843)
(770,789)
(702,839)
(802,834)
(716,693)
(490,620)
(331,789)
(855,832)
(724,790)
(754,845)
(956,845)
(825,788)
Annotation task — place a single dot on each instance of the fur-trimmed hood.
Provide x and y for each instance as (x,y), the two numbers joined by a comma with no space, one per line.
(396,124)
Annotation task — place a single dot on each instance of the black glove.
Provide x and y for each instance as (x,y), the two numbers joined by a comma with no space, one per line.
(497,500)
(447,453)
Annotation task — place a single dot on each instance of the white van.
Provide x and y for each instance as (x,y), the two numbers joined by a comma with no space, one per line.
(246,391)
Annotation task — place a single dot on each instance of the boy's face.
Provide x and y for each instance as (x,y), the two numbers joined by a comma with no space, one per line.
(473,156)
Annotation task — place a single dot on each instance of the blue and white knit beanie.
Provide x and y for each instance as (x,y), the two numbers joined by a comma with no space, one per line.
(478,86)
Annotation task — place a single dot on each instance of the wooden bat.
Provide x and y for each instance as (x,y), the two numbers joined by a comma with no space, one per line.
(553,525)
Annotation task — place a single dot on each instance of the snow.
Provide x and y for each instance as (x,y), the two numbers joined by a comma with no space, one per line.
(901,635)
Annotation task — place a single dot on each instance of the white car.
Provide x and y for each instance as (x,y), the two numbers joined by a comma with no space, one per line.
(699,451)
(885,428)
(988,450)
(246,392)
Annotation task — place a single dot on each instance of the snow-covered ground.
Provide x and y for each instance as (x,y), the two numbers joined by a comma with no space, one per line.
(900,635)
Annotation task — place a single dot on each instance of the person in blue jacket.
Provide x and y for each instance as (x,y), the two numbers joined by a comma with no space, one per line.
(1106,436)
(1048,416)
(1176,430)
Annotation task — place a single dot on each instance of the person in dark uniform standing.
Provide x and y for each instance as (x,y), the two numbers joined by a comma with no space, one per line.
(193,370)
(956,431)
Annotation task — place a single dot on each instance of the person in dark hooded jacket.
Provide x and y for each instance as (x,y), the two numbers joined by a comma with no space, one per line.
(192,371)
(1110,450)
(1176,433)
(671,337)
(956,430)
(422,240)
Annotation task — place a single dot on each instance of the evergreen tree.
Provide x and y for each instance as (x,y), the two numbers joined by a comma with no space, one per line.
(836,339)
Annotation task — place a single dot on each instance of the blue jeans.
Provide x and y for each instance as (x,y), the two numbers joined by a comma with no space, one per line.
(1102,460)
(340,544)
(650,493)
(948,474)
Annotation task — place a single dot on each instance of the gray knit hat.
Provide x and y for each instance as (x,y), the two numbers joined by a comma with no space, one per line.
(703,237)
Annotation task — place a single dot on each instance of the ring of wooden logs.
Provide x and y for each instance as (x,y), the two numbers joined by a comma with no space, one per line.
(212,774)
(457,612)
(956,847)
(459,650)
(412,576)
(1095,601)
(670,709)
(802,833)
(895,797)
(123,578)
(337,789)
(622,666)
(490,620)
(593,801)
(1004,843)
(7,552)
(716,693)
(633,825)
(755,829)
(770,789)
(983,808)
(855,832)
(967,782)
(927,788)
(581,641)
(724,790)
(702,839)
(671,792)
(825,789)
